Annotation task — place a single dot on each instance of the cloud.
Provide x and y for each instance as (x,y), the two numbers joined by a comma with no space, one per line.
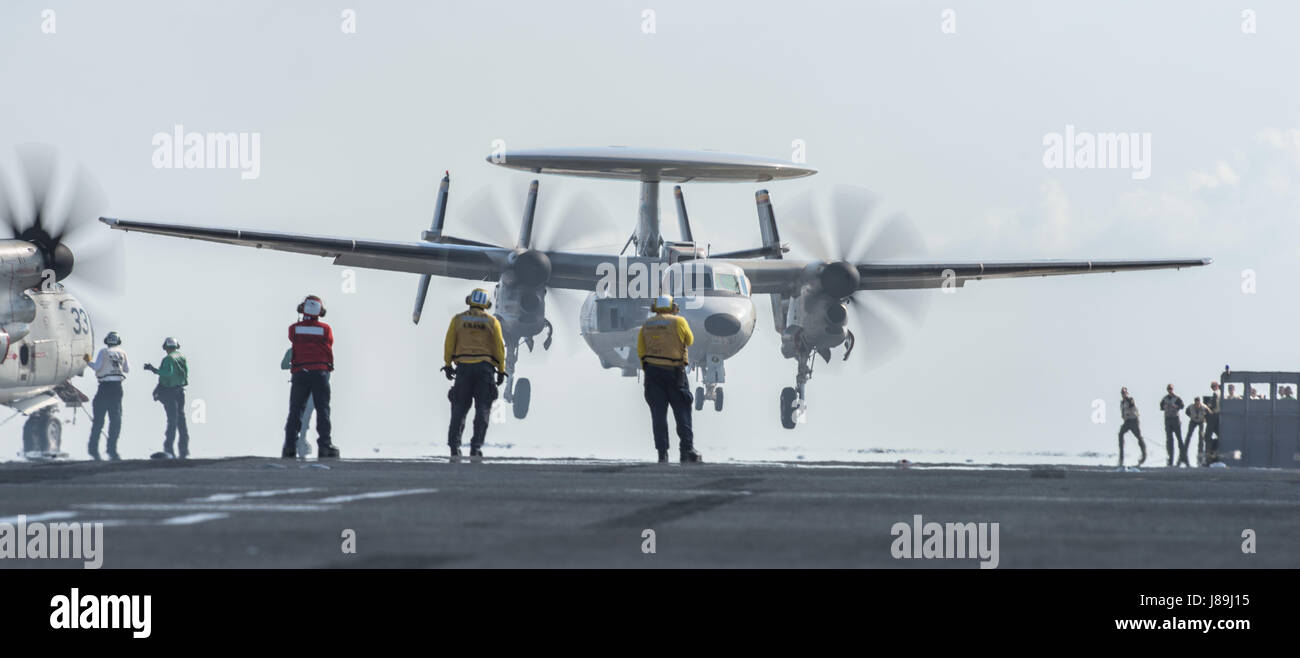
(1285,140)
(1221,175)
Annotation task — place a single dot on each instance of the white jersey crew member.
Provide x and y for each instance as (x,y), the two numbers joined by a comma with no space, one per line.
(111,367)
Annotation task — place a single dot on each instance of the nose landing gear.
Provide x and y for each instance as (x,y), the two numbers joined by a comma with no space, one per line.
(712,392)
(713,375)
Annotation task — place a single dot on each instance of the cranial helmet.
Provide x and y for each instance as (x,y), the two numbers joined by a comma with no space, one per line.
(664,304)
(112,339)
(479,299)
(171,344)
(312,306)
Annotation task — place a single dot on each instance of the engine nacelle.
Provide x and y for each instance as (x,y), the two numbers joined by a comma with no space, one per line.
(816,321)
(528,268)
(17,311)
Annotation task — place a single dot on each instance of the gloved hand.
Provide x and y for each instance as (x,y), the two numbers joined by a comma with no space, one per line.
(450,371)
(150,368)
(501,377)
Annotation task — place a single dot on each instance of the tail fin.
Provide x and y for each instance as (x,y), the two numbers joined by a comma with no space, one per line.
(530,208)
(683,222)
(432,235)
(772,244)
(767,225)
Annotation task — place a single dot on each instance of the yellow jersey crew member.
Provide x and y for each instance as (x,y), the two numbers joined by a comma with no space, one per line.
(473,354)
(661,346)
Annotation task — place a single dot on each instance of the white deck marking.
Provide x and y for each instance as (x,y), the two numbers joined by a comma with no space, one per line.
(191,519)
(43,516)
(374,494)
(208,507)
(228,497)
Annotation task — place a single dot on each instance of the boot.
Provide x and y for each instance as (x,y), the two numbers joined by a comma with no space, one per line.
(455,454)
(663,456)
(475,454)
(690,456)
(327,451)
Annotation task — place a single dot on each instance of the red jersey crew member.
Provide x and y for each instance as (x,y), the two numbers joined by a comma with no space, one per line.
(661,345)
(311,364)
(475,347)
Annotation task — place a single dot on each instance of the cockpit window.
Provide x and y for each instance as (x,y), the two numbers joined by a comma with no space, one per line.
(727,282)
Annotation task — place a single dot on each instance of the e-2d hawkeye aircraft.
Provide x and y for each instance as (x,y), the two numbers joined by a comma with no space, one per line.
(810,298)
(44,330)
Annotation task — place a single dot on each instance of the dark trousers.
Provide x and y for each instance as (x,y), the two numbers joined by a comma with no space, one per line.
(313,384)
(173,402)
(1200,440)
(1172,430)
(475,385)
(108,401)
(664,388)
(1211,438)
(1131,425)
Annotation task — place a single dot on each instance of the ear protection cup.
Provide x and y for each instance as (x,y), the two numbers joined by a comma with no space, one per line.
(302,305)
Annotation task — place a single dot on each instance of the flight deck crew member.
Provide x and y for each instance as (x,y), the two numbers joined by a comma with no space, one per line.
(1197,413)
(1171,404)
(110,367)
(1129,410)
(474,357)
(311,362)
(661,345)
(1213,402)
(303,445)
(173,377)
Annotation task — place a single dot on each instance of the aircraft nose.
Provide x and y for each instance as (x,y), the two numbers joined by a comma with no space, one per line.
(722,324)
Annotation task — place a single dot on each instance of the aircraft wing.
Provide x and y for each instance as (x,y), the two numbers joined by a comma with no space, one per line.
(478,262)
(782,276)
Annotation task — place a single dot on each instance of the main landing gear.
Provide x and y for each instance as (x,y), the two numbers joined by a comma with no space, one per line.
(42,434)
(794,404)
(520,393)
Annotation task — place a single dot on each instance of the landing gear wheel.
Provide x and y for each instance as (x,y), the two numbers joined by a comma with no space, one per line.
(788,398)
(717,400)
(523,394)
(42,433)
(699,398)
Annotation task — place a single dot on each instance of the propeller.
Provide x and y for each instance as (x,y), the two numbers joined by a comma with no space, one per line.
(61,216)
(563,221)
(845,229)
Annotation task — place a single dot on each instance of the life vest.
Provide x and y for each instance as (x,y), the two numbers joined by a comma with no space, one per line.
(313,345)
(112,366)
(663,345)
(475,339)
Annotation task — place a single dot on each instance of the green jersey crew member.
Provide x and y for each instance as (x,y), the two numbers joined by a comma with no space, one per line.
(173,377)
(474,357)
(661,345)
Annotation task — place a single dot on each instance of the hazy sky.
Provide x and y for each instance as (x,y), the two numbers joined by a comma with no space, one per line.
(356,129)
